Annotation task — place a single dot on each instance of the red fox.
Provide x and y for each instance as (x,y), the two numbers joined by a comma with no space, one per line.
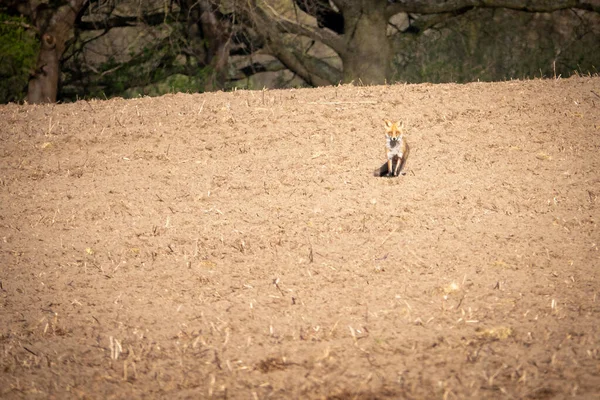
(396,150)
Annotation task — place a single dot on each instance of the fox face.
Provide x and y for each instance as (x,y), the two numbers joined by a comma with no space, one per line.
(394,130)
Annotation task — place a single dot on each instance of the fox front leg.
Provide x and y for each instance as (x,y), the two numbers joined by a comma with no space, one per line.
(398,165)
(390,169)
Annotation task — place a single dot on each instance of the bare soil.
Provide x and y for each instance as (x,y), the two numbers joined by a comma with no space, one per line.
(237,246)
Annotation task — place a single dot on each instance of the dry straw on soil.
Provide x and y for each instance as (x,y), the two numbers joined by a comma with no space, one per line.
(236,245)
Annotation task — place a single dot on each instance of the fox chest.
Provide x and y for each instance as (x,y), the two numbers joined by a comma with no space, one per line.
(394,149)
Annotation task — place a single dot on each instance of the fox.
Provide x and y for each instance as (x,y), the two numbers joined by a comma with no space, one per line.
(396,149)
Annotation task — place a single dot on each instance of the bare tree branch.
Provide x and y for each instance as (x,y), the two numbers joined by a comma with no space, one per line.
(122,21)
(298,65)
(325,36)
(428,21)
(325,70)
(295,60)
(342,4)
(442,6)
(252,68)
(16,7)
(21,24)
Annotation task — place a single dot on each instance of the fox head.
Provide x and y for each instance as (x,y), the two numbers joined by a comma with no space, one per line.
(394,130)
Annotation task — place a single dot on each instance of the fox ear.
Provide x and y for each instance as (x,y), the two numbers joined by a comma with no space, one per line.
(400,124)
(388,123)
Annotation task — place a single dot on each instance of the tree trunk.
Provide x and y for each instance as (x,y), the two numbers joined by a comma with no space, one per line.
(208,34)
(43,85)
(369,55)
(55,27)
(216,31)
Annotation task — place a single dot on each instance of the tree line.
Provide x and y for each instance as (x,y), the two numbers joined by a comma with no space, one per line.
(48,40)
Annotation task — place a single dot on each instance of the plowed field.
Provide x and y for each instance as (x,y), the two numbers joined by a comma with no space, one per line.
(237,246)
